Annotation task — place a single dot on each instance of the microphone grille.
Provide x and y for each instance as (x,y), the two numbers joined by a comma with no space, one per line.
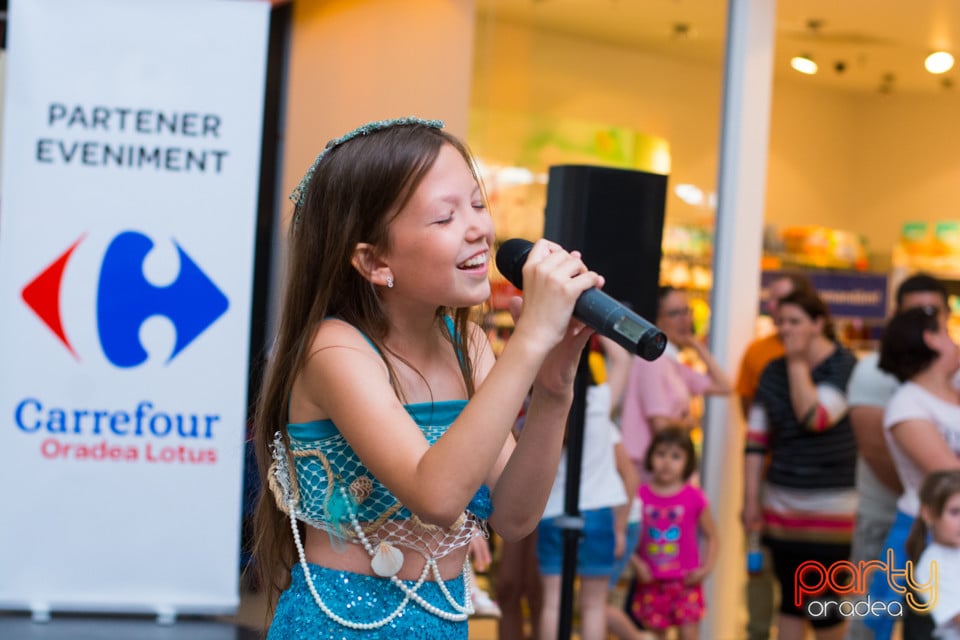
(511,257)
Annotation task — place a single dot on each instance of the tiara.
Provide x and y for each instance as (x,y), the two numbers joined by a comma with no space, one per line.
(298,194)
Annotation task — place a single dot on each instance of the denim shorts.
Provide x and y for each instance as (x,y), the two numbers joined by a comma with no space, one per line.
(594,553)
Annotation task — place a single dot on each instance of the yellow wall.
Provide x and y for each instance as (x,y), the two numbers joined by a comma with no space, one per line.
(863,162)
(812,156)
(553,75)
(353,61)
(908,162)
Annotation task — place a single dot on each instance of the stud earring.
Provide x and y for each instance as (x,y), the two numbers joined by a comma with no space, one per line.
(389,282)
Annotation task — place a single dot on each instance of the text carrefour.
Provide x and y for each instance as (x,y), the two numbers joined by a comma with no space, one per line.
(31,416)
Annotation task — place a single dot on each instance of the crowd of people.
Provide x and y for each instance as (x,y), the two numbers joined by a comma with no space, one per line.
(392,442)
(859,443)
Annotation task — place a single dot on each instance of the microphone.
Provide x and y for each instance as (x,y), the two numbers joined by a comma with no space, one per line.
(594,308)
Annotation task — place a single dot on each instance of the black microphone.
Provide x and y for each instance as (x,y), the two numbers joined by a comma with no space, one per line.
(594,308)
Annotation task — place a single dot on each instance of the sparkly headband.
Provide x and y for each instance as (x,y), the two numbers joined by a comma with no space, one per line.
(300,192)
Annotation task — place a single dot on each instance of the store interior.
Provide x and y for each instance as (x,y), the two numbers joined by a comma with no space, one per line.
(861,153)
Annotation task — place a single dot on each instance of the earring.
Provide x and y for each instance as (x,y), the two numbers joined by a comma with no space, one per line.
(389,282)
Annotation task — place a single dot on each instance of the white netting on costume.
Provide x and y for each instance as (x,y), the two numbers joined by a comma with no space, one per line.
(316,494)
(281,484)
(331,490)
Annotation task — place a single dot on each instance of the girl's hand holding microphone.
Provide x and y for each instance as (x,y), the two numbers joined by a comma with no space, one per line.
(553,280)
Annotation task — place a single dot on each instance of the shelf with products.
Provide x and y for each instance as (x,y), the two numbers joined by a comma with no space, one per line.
(687,258)
(835,260)
(813,246)
(858,300)
(932,260)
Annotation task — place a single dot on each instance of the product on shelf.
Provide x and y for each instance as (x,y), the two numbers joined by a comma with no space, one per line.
(819,246)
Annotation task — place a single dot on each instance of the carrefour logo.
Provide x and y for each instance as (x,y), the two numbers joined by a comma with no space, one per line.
(125,299)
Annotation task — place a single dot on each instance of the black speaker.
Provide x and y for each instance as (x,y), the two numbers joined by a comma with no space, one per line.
(614,217)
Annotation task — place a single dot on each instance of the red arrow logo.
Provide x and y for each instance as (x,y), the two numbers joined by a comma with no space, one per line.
(42,295)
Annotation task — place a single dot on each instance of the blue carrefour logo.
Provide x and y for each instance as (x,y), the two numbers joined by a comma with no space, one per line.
(125,299)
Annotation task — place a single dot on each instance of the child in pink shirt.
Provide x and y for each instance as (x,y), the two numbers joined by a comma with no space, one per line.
(667,560)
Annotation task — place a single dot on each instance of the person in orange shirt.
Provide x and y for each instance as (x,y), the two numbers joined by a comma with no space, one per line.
(760,585)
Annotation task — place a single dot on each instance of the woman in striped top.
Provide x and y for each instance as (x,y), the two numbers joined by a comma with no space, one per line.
(799,417)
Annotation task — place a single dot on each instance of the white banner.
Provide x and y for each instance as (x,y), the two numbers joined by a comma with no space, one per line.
(131,148)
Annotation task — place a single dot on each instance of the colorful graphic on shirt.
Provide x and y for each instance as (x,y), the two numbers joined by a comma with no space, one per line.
(663,533)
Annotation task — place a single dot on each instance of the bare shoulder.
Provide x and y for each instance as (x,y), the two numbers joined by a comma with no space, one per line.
(340,363)
(341,341)
(333,330)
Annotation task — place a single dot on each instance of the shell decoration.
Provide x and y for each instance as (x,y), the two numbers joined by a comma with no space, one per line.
(361,488)
(387,560)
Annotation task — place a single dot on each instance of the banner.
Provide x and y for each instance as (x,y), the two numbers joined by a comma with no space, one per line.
(848,294)
(131,161)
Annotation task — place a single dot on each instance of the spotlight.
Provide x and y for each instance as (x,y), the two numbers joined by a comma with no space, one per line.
(681,30)
(804,64)
(938,62)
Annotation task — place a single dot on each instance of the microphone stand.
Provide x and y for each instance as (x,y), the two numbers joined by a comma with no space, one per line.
(571,522)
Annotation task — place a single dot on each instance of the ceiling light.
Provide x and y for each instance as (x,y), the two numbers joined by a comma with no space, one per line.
(938,62)
(804,64)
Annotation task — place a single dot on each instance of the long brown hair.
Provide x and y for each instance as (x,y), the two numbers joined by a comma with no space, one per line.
(936,490)
(356,190)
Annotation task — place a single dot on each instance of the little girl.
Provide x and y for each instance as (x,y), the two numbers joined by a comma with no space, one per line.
(940,515)
(667,560)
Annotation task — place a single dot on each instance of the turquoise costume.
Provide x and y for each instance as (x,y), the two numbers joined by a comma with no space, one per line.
(329,488)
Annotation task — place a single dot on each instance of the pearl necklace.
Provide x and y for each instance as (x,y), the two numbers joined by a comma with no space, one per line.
(410,593)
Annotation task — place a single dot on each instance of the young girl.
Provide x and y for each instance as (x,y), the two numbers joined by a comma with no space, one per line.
(940,516)
(383,426)
(667,561)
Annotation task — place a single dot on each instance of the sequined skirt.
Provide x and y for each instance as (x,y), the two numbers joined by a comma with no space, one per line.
(362,599)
